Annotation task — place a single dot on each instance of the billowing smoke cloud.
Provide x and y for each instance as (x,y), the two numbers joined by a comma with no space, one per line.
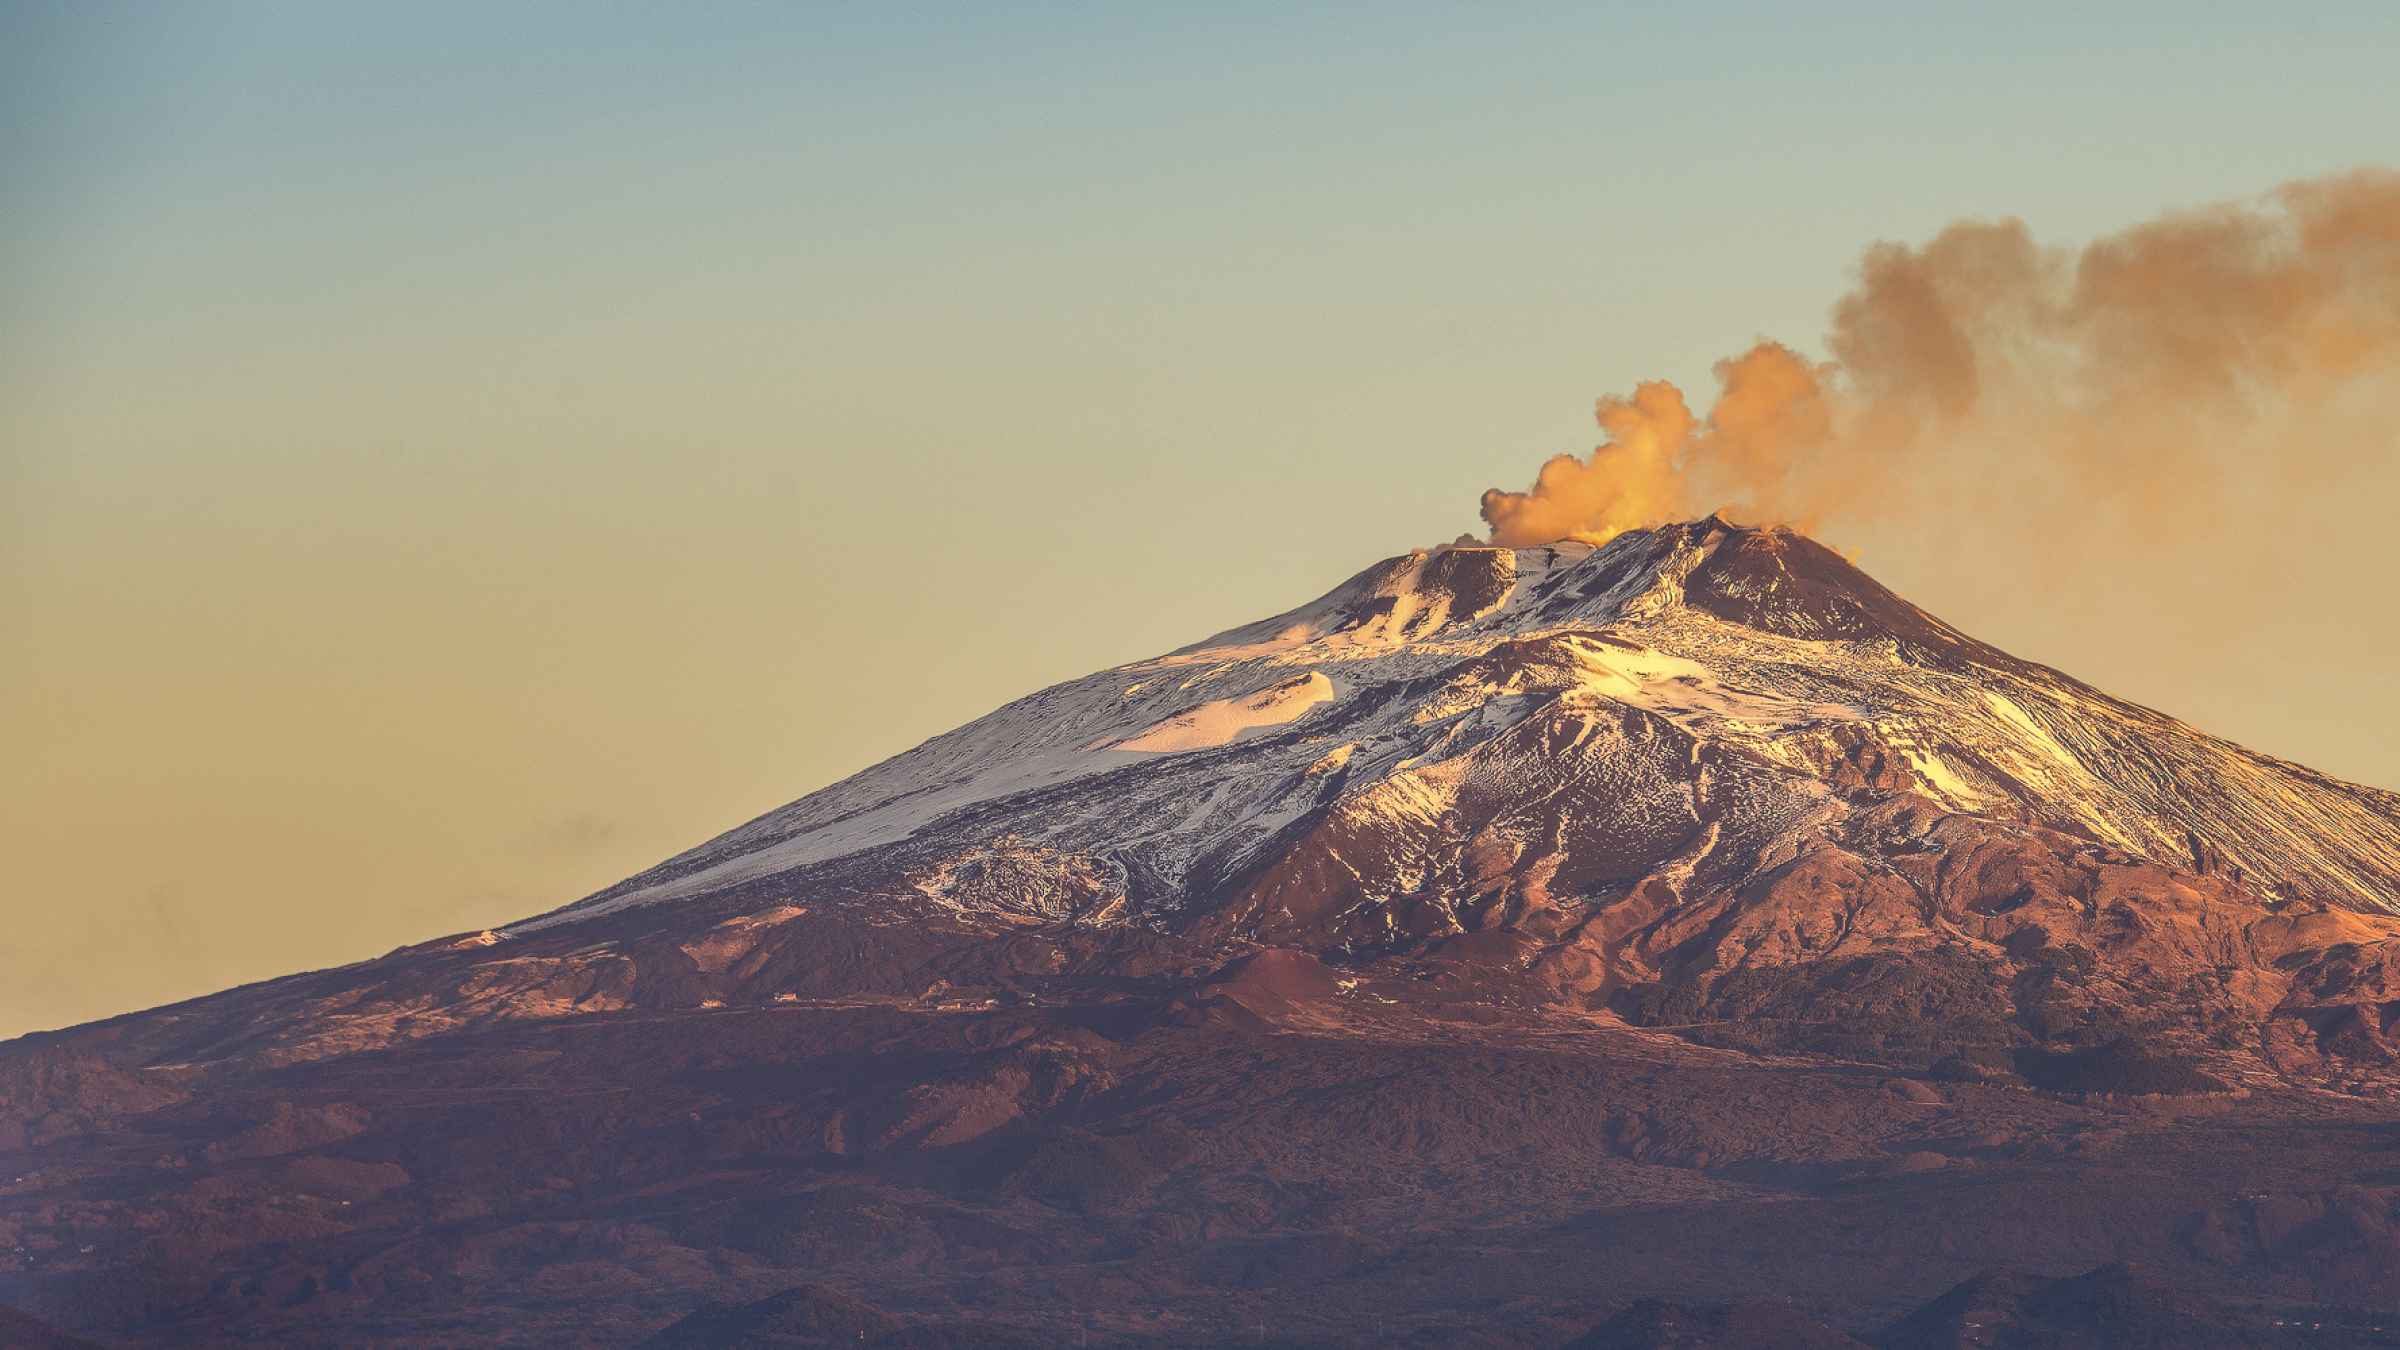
(2139,372)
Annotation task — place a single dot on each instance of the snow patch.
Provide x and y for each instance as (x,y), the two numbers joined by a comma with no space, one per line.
(1219,721)
(1334,760)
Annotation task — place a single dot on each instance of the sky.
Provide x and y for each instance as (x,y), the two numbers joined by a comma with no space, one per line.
(453,456)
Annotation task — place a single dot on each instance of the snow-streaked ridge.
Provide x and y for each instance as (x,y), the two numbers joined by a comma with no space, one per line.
(1175,769)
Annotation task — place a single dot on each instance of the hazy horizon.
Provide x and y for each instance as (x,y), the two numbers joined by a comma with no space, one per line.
(453,461)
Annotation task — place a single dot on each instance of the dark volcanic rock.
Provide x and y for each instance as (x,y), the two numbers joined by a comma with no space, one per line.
(814,1318)
(1784,583)
(808,1315)
(19,1331)
(1653,1324)
(2115,1308)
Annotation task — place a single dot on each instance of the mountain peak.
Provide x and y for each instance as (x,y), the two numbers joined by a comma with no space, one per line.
(1442,678)
(1771,578)
(1420,594)
(1781,581)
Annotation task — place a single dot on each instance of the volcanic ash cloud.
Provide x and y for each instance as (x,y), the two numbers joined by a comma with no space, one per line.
(2142,370)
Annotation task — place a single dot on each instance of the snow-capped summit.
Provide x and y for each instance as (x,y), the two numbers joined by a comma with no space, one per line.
(1675,694)
(1703,769)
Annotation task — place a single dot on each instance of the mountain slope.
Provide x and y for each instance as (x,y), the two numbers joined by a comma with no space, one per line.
(1696,777)
(1375,700)
(1501,938)
(1706,776)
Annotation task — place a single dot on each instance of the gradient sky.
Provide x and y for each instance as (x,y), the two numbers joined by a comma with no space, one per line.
(455,455)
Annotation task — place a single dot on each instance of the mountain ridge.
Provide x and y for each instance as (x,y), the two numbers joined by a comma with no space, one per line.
(1502,938)
(1395,619)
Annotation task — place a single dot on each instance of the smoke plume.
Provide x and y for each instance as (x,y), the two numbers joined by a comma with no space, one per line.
(2151,371)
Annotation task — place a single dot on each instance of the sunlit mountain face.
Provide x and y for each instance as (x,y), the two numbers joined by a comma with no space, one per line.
(1676,935)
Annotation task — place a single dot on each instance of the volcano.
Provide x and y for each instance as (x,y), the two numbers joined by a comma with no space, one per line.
(1508,947)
